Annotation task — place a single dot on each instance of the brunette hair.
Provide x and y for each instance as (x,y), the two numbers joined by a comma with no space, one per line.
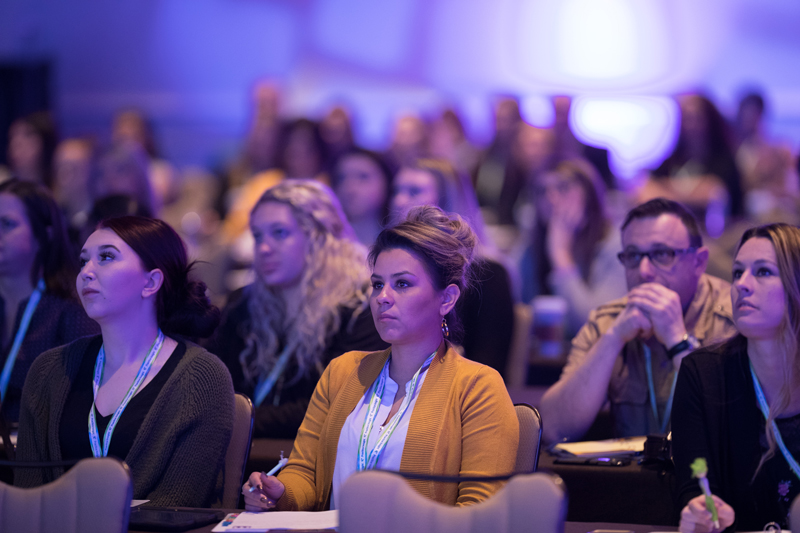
(45,128)
(182,307)
(444,243)
(55,260)
(659,206)
(786,241)
(335,277)
(595,226)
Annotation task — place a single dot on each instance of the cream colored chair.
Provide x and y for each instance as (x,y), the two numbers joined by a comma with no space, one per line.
(380,501)
(530,438)
(238,451)
(94,495)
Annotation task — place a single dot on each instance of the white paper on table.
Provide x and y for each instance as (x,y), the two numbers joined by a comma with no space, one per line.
(603,448)
(281,520)
(137,503)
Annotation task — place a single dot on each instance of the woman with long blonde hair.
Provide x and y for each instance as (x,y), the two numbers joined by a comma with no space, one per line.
(738,404)
(307,305)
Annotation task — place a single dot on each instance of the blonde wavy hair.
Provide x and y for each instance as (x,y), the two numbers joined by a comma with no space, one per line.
(335,275)
(786,241)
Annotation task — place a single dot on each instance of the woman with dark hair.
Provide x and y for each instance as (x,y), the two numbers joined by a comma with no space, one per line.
(363,183)
(306,306)
(159,402)
(416,407)
(701,171)
(574,248)
(32,142)
(37,291)
(737,403)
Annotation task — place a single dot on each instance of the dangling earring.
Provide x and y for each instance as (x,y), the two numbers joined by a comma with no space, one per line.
(445,329)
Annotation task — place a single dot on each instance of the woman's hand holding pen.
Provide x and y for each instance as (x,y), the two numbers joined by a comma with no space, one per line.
(696,518)
(268,491)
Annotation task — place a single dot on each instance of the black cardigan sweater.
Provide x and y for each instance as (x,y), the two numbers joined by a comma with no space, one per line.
(716,416)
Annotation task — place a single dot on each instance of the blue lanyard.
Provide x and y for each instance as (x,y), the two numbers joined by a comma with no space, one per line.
(365,463)
(762,403)
(99,367)
(265,385)
(662,425)
(27,315)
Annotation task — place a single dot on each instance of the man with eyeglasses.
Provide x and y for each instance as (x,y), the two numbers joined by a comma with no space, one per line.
(630,349)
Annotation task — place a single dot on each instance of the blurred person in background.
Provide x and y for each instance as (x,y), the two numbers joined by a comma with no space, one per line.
(409,142)
(575,246)
(72,168)
(37,286)
(307,304)
(486,309)
(336,131)
(363,183)
(701,171)
(448,140)
(123,170)
(32,142)
(490,176)
(131,125)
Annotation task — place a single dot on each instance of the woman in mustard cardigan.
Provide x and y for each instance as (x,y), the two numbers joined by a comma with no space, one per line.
(417,407)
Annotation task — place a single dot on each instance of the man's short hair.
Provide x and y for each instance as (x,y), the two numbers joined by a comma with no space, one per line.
(659,206)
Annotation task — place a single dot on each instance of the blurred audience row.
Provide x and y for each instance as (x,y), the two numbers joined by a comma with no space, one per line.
(546,206)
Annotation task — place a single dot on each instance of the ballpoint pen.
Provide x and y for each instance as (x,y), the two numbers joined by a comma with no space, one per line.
(274,470)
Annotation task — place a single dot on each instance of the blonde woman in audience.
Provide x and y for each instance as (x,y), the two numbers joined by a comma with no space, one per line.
(737,403)
(306,306)
(416,407)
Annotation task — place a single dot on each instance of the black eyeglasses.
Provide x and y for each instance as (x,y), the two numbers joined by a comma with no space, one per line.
(662,257)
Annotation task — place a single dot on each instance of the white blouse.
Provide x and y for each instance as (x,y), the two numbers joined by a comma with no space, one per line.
(347,449)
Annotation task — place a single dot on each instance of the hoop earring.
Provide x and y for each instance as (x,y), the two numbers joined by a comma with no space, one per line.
(445,329)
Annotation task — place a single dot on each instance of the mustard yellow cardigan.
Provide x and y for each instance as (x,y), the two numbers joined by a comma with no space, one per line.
(463,424)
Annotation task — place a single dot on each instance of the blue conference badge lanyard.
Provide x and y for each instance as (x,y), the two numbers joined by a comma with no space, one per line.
(762,404)
(265,385)
(365,463)
(99,366)
(662,424)
(27,315)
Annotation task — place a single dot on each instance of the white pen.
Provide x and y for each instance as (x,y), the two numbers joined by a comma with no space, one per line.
(274,470)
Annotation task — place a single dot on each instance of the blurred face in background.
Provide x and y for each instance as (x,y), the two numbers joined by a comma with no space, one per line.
(280,245)
(555,190)
(18,246)
(73,159)
(24,147)
(413,187)
(361,187)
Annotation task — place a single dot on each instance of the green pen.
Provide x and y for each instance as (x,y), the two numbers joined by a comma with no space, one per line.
(700,470)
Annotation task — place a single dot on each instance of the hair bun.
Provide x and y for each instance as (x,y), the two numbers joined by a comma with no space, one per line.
(193,314)
(450,224)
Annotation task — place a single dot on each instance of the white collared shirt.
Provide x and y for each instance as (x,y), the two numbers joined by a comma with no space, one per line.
(347,449)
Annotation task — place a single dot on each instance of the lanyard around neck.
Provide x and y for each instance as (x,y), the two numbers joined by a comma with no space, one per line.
(27,315)
(365,463)
(662,424)
(99,366)
(762,403)
(265,385)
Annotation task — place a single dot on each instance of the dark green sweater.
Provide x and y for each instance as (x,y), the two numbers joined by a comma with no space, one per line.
(179,451)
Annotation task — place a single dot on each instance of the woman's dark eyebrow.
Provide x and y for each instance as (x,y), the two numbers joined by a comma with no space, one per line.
(107,246)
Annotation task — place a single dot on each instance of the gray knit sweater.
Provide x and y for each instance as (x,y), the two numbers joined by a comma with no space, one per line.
(178,453)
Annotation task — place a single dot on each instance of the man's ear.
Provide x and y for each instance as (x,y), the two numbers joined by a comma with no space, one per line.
(450,296)
(155,279)
(701,260)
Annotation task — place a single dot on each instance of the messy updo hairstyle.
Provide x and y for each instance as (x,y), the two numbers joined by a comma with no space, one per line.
(182,307)
(444,242)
